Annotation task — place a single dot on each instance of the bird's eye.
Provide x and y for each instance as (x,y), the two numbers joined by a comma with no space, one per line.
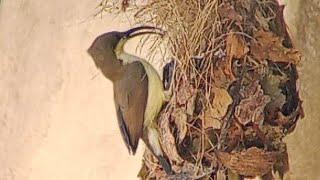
(119,37)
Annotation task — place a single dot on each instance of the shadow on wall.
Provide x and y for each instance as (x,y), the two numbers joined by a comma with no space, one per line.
(304,144)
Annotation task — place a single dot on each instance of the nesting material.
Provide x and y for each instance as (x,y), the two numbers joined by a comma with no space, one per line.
(234,87)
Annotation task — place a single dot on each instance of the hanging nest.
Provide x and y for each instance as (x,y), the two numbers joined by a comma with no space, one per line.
(232,72)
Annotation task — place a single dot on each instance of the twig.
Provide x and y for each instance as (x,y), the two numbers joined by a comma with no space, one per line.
(226,120)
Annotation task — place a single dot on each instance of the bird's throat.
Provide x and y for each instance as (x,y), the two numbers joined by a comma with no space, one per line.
(119,48)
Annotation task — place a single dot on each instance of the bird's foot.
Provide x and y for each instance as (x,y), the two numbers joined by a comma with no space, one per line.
(167,95)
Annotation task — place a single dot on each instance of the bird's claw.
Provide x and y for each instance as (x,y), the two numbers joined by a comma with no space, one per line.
(167,95)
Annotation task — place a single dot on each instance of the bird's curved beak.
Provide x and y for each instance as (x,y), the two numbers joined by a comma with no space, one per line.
(134,32)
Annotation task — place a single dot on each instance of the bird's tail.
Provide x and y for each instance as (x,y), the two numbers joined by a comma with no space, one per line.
(151,139)
(165,163)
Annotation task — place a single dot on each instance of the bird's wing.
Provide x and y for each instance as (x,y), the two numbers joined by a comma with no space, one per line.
(130,95)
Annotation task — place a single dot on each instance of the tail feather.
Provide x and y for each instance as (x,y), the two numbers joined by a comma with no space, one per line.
(151,139)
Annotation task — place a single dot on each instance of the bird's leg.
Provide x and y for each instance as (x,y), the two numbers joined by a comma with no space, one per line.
(167,94)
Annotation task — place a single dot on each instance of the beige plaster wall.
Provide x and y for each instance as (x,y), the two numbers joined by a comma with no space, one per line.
(304,144)
(57,123)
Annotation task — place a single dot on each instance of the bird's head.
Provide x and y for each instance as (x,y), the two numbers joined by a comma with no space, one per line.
(104,48)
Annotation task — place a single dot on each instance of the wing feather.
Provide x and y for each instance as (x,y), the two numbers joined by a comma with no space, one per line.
(130,95)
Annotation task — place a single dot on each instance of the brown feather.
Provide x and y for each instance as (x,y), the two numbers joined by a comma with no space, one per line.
(130,84)
(130,96)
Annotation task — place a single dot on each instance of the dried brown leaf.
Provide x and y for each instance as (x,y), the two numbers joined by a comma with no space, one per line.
(233,176)
(282,164)
(271,84)
(210,121)
(250,162)
(274,135)
(252,105)
(235,134)
(167,139)
(186,91)
(221,77)
(227,12)
(291,120)
(236,46)
(180,119)
(218,109)
(269,46)
(191,104)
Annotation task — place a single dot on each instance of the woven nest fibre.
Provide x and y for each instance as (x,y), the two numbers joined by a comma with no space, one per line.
(231,67)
